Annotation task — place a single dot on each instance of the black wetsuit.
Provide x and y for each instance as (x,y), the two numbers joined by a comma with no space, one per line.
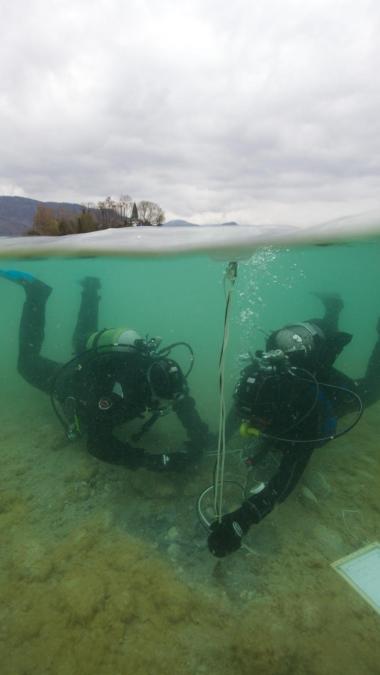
(319,424)
(103,392)
(296,452)
(331,405)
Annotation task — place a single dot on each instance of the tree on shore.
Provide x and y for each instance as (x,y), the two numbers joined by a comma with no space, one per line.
(150,213)
(107,213)
(126,213)
(52,222)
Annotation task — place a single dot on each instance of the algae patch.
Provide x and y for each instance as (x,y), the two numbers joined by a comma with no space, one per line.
(81,595)
(97,602)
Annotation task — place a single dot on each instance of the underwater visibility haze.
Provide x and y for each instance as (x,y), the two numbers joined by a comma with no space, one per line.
(105,569)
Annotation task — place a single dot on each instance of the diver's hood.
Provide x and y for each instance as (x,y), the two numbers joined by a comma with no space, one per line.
(116,339)
(296,339)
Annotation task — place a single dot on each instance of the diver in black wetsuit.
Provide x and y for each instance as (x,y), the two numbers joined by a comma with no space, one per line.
(290,398)
(115,376)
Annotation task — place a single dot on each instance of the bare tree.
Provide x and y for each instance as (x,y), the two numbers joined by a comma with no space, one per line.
(108,213)
(124,206)
(125,213)
(150,213)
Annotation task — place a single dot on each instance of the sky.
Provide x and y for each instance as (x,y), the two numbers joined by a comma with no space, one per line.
(255,111)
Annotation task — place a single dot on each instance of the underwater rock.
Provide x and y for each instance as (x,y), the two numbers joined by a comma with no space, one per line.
(331,542)
(147,486)
(30,561)
(85,472)
(81,593)
(124,606)
(318,485)
(174,550)
(78,492)
(12,509)
(172,534)
(165,490)
(307,497)
(8,500)
(246,595)
(312,615)
(366,475)
(20,469)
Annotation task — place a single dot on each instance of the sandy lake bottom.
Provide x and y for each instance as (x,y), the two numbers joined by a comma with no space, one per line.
(106,571)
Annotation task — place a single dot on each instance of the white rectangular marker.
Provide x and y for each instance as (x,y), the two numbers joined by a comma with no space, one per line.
(362,571)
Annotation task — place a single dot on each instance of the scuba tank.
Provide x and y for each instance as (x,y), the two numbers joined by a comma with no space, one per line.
(115,338)
(162,375)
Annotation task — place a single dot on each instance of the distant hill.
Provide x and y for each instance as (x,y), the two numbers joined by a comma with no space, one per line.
(17,213)
(180,223)
(185,223)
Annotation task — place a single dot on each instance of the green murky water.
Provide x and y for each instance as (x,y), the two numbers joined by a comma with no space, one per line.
(106,570)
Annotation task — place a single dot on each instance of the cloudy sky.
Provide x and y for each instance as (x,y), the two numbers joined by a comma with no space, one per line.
(261,111)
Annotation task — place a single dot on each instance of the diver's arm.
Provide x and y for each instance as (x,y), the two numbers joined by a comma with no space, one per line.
(103,444)
(292,466)
(225,537)
(197,430)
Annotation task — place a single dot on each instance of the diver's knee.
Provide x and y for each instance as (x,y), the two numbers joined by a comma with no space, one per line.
(26,369)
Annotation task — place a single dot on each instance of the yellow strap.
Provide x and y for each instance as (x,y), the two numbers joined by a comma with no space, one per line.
(246,430)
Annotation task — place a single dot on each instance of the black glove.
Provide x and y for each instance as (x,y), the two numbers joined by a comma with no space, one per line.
(225,537)
(171,461)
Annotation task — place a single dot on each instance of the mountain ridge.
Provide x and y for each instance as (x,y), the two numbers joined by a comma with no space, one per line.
(17,214)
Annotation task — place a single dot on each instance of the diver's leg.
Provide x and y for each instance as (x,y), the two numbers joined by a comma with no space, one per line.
(87,321)
(335,340)
(369,386)
(333,305)
(35,369)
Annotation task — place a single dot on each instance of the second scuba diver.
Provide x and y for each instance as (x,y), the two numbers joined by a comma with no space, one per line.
(115,376)
(290,398)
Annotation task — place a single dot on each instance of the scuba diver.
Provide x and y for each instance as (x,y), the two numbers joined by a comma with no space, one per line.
(114,377)
(289,399)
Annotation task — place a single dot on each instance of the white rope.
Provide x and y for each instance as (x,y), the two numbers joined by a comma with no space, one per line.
(201,511)
(221,452)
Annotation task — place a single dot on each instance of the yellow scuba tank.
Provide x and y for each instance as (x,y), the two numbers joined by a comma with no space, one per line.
(114,338)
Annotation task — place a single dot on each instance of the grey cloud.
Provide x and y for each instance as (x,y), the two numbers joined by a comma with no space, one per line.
(210,108)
